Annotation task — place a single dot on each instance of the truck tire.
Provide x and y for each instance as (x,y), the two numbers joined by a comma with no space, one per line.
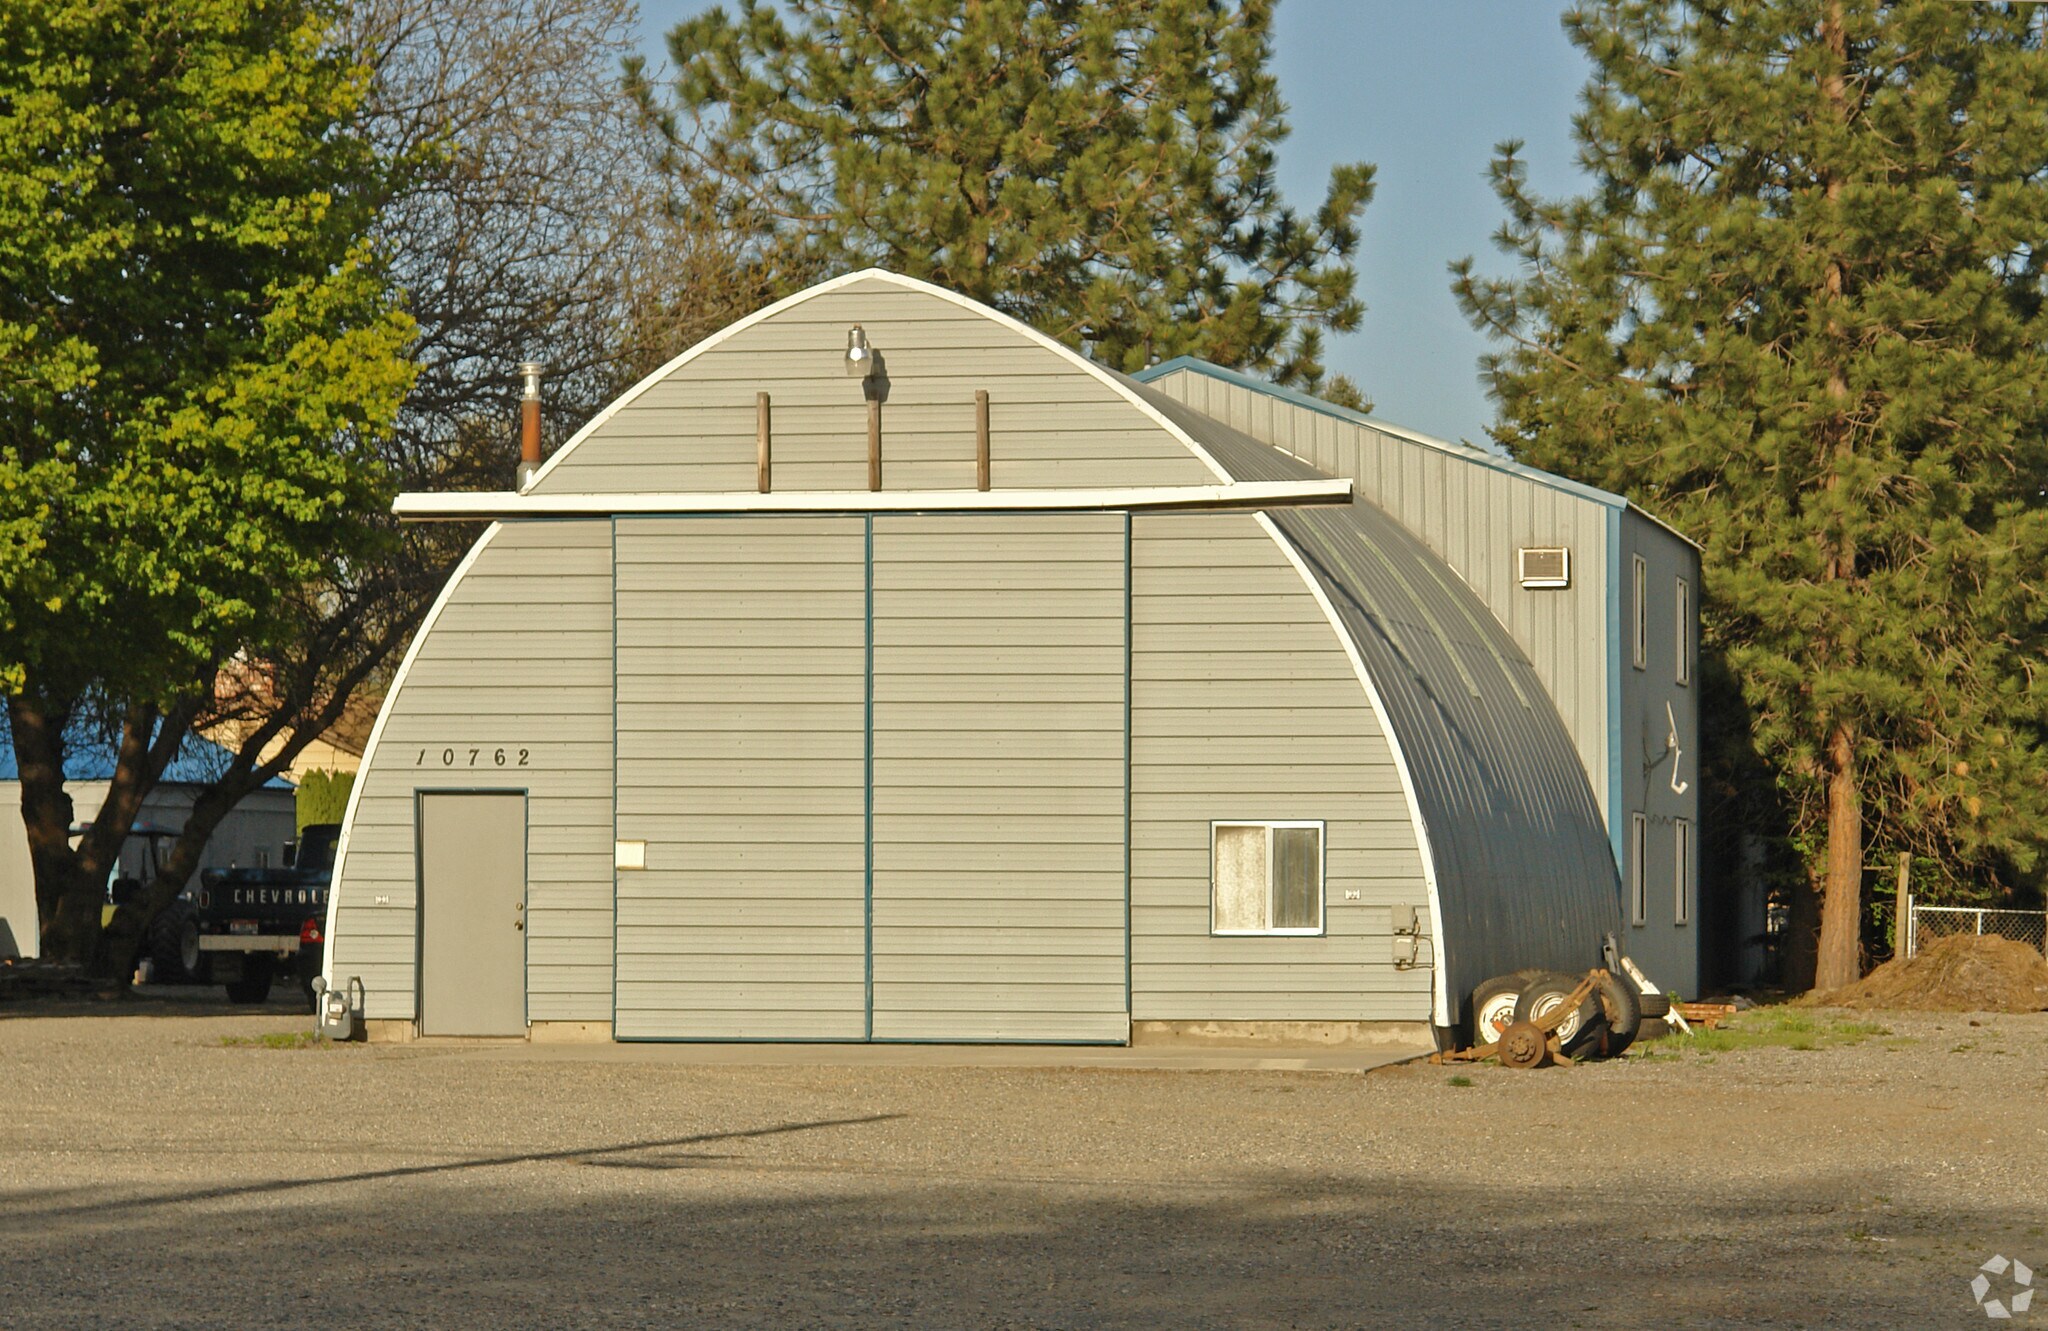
(1654,1005)
(254,986)
(173,945)
(1621,1007)
(1581,1030)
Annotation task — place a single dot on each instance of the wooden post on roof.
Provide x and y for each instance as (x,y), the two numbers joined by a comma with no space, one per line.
(761,462)
(874,443)
(981,439)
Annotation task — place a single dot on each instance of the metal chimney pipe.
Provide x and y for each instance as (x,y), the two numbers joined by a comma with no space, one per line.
(529,421)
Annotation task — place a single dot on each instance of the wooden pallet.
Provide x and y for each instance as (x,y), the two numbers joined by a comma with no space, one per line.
(1708,1015)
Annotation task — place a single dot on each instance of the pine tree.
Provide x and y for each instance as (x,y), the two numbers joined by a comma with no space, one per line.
(1101,169)
(1799,312)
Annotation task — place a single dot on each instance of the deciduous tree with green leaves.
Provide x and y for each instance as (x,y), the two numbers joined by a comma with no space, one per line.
(199,351)
(1800,312)
(1101,169)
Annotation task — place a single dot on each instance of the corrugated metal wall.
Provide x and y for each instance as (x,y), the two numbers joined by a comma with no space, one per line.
(1475,516)
(742,752)
(1245,707)
(999,712)
(511,689)
(1050,425)
(1524,873)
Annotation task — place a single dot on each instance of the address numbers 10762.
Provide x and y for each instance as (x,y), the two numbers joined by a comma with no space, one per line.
(470,755)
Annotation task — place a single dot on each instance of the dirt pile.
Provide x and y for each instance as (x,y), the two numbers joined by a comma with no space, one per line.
(1961,974)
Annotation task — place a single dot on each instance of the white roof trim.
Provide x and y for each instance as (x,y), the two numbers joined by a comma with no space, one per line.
(1237,495)
(1072,357)
(1442,1013)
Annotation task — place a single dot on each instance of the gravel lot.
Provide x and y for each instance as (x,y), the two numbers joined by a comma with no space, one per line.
(152,1177)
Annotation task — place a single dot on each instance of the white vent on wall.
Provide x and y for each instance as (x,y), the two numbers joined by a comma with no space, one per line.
(1545,566)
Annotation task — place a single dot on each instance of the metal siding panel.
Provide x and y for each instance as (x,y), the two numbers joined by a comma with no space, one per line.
(1523,870)
(462,692)
(1474,515)
(1667,951)
(1052,424)
(741,769)
(998,906)
(1267,721)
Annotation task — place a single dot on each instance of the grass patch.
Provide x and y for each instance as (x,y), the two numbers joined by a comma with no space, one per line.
(1461,1081)
(276,1040)
(1768,1028)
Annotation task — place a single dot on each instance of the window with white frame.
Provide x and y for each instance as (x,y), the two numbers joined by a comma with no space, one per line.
(1642,653)
(1266,878)
(1682,844)
(1638,862)
(1683,636)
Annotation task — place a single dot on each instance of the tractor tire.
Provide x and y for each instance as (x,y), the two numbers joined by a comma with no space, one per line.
(1493,1006)
(1622,1010)
(254,986)
(1581,1030)
(173,945)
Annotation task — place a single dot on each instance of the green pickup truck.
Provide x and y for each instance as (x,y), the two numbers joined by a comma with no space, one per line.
(245,927)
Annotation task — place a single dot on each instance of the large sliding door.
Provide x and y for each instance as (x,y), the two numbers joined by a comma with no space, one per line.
(999,778)
(742,698)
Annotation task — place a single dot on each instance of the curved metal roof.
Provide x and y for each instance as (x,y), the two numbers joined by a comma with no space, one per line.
(1466,452)
(1524,872)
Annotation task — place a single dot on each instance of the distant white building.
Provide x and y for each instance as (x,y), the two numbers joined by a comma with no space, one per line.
(253,835)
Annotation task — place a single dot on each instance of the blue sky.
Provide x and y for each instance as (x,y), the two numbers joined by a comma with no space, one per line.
(1423,91)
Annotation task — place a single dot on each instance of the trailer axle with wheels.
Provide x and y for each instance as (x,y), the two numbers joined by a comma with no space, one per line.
(1532,1039)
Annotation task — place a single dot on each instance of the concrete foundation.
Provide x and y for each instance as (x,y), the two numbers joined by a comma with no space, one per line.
(387,1031)
(569,1032)
(1256,1034)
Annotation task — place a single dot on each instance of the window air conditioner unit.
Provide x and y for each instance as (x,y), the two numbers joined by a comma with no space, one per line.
(1545,566)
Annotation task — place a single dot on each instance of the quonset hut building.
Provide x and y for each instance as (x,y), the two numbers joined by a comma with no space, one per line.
(985,694)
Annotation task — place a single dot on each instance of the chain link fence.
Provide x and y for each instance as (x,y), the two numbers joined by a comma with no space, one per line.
(1932,922)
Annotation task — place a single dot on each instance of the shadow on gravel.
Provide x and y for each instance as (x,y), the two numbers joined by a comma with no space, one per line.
(778,1242)
(590,1155)
(166,1000)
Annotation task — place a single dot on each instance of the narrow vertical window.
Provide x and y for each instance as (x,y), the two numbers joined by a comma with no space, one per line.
(1638,862)
(1266,878)
(1683,636)
(1682,843)
(1642,612)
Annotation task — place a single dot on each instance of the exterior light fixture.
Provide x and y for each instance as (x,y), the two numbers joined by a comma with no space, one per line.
(860,357)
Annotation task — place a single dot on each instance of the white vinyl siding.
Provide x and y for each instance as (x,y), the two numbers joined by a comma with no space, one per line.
(1266,878)
(742,695)
(1051,425)
(1244,706)
(1476,516)
(999,832)
(509,689)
